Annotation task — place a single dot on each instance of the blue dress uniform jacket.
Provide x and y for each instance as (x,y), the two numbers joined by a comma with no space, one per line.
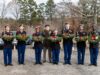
(38,43)
(19,41)
(7,44)
(81,43)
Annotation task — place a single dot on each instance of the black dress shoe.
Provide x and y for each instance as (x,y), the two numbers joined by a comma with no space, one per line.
(95,65)
(69,64)
(35,63)
(82,64)
(56,63)
(40,63)
(5,65)
(10,64)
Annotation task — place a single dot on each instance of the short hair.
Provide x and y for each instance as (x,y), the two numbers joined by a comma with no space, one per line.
(6,26)
(66,23)
(37,27)
(47,25)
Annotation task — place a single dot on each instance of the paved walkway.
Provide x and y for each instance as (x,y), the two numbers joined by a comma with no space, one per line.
(48,69)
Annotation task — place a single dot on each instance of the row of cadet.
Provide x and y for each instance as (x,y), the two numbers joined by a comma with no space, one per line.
(48,40)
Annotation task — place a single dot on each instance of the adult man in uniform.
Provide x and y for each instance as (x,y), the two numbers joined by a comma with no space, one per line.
(46,43)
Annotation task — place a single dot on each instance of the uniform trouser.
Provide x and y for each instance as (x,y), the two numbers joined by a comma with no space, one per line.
(94,55)
(67,52)
(55,55)
(7,56)
(38,52)
(81,55)
(49,54)
(21,53)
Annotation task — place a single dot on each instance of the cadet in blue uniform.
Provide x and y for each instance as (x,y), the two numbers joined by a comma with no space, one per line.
(67,43)
(55,48)
(81,45)
(38,46)
(21,46)
(7,47)
(94,48)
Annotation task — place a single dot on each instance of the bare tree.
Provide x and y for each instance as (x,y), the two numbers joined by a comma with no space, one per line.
(65,9)
(15,9)
(90,9)
(61,12)
(3,10)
